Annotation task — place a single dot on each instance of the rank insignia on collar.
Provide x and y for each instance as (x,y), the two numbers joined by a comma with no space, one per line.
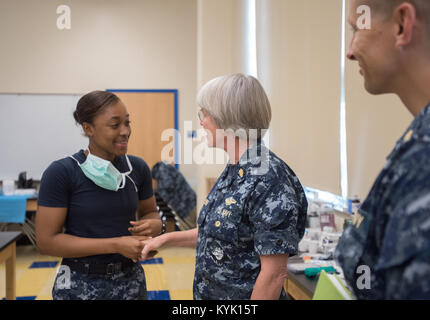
(240,172)
(408,136)
(230,201)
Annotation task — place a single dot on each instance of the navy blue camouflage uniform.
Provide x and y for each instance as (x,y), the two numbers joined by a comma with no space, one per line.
(94,212)
(129,284)
(391,232)
(256,207)
(174,189)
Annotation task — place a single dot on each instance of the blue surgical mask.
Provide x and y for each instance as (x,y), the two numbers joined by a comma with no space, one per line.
(103,173)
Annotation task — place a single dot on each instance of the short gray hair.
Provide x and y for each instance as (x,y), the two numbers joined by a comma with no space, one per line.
(236,102)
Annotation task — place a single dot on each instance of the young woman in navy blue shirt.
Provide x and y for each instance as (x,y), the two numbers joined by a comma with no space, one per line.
(96,206)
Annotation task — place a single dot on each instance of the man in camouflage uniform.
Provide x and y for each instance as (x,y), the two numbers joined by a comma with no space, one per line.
(390,235)
(257,207)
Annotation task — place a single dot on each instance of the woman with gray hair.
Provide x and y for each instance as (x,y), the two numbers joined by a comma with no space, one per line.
(254,216)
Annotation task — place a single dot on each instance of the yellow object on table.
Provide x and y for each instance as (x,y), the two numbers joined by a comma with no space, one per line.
(330,287)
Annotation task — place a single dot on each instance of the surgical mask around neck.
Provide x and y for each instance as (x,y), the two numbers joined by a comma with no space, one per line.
(103,173)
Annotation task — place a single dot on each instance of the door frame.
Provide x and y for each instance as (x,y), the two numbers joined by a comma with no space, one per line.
(175,112)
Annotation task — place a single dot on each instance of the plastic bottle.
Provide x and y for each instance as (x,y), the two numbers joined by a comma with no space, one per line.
(355,204)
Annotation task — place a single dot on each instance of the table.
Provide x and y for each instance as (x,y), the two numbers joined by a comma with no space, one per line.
(8,255)
(298,286)
(31,204)
(29,225)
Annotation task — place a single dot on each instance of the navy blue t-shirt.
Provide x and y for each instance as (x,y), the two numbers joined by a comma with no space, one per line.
(94,212)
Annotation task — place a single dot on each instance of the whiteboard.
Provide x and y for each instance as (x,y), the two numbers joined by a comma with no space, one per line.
(36,130)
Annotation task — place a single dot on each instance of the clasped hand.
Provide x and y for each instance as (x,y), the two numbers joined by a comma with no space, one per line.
(141,232)
(145,227)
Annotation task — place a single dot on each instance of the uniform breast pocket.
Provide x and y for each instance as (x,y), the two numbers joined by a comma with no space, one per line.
(350,248)
(224,224)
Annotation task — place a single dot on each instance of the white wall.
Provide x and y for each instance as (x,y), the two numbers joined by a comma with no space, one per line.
(299,65)
(128,44)
(182,44)
(221,51)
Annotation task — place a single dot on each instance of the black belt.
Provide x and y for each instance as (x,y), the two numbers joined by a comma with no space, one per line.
(102,268)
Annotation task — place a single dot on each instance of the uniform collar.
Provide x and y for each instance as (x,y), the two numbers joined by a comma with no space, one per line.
(422,120)
(251,158)
(228,176)
(420,125)
(418,129)
(80,156)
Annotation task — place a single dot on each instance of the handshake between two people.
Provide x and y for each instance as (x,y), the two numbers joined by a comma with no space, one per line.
(143,242)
